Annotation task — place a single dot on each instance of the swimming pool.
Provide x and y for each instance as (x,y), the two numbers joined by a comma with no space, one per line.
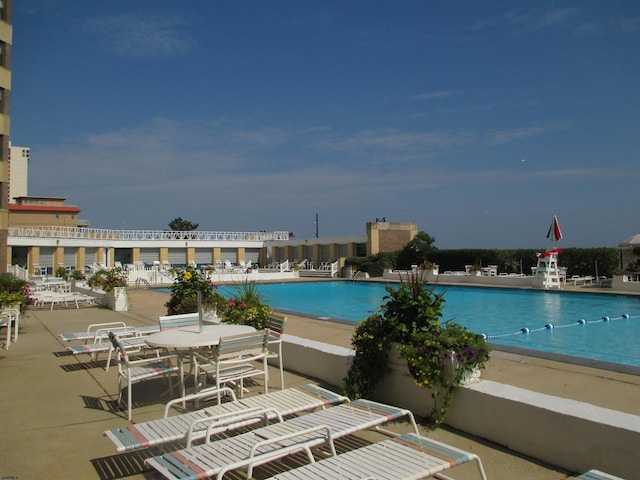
(501,314)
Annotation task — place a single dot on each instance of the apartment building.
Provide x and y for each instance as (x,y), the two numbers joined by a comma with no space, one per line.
(18,172)
(6,40)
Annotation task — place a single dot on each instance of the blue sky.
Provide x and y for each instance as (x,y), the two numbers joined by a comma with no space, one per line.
(477,120)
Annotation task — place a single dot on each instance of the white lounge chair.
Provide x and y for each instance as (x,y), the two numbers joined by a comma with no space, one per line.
(405,457)
(193,426)
(276,441)
(91,333)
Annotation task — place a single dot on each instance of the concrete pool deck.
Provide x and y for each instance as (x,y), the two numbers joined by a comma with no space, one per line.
(56,406)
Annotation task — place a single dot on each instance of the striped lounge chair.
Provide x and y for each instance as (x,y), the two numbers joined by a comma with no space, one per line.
(276,441)
(408,456)
(192,426)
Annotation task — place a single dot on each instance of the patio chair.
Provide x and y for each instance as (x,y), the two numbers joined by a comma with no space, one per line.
(276,441)
(131,339)
(10,318)
(408,456)
(176,321)
(135,371)
(235,358)
(192,426)
(275,329)
(596,475)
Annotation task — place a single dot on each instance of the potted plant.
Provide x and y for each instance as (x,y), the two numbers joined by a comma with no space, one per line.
(439,356)
(475,270)
(77,274)
(14,293)
(61,272)
(114,283)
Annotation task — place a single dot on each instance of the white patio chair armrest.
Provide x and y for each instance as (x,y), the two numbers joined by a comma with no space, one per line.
(243,357)
(200,395)
(143,361)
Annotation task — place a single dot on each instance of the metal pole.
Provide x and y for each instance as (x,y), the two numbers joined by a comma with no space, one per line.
(200,319)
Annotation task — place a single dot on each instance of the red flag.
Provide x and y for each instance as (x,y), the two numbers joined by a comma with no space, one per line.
(554,230)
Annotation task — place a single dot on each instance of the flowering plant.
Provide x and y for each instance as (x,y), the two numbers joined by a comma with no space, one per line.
(107,280)
(247,307)
(411,317)
(14,291)
(184,293)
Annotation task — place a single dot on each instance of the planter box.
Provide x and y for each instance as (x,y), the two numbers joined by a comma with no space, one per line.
(398,387)
(117,299)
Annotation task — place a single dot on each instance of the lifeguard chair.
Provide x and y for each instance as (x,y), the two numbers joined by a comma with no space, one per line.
(547,271)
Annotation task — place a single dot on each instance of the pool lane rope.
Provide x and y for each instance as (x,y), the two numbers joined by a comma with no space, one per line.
(551,326)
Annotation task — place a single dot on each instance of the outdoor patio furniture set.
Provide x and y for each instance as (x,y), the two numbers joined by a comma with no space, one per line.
(224,354)
(238,433)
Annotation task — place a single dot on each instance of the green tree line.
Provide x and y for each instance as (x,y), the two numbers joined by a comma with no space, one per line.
(421,251)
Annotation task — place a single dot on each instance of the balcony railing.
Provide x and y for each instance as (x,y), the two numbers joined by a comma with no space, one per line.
(105,234)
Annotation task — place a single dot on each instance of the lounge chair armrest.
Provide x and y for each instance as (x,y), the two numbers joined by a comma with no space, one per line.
(200,395)
(255,458)
(220,421)
(293,435)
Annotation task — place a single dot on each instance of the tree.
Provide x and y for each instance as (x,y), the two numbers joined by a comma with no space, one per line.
(417,251)
(180,225)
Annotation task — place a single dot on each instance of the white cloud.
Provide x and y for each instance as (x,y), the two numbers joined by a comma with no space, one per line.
(437,95)
(500,137)
(142,36)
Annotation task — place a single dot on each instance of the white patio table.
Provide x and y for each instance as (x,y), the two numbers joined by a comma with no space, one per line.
(186,340)
(192,337)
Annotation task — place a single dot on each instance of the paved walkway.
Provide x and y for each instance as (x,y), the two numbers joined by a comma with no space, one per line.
(55,406)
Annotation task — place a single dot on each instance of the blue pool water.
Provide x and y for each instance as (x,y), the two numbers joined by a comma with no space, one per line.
(500,314)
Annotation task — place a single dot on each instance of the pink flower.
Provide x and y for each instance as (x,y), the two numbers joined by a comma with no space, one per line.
(244,305)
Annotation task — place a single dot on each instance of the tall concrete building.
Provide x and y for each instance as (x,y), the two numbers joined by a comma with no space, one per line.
(18,172)
(6,40)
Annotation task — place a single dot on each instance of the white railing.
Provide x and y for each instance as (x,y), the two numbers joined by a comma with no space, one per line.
(104,234)
(18,271)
